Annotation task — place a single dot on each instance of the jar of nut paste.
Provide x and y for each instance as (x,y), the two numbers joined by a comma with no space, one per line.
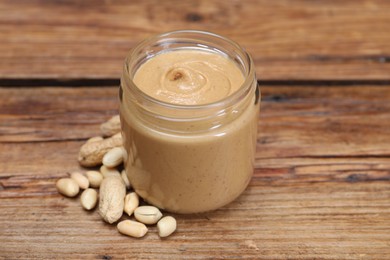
(189,105)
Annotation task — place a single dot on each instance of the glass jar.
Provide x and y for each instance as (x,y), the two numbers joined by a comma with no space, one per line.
(189,158)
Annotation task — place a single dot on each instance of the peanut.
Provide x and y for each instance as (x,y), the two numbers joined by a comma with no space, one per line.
(113,157)
(147,214)
(131,203)
(105,171)
(125,179)
(94,139)
(111,127)
(88,199)
(118,135)
(81,180)
(166,226)
(111,198)
(132,228)
(91,153)
(95,178)
(67,187)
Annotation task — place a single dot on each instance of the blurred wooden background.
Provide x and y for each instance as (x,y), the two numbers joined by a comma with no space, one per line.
(321,188)
(306,40)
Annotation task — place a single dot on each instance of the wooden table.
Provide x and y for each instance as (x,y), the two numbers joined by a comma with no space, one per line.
(321,187)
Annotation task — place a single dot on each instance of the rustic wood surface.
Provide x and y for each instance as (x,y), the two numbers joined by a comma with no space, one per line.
(320,189)
(321,186)
(302,39)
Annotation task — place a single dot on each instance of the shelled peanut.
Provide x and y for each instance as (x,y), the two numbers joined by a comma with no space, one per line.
(114,196)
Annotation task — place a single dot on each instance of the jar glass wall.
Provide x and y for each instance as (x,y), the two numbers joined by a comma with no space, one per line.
(189,158)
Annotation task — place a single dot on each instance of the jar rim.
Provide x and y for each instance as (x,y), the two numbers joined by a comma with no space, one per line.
(243,90)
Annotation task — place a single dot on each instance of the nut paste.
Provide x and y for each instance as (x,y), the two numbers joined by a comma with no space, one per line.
(189,128)
(189,77)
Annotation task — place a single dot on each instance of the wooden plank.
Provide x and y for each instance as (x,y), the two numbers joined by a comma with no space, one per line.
(294,121)
(320,189)
(288,40)
(319,221)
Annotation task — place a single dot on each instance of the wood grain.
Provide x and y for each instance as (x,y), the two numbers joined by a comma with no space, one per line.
(327,221)
(321,188)
(288,39)
(309,121)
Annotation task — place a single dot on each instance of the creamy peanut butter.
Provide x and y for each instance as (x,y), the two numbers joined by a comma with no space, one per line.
(189,77)
(195,169)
